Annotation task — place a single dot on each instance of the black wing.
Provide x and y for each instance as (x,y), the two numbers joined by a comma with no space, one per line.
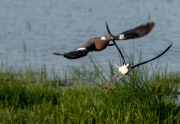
(123,60)
(153,58)
(75,54)
(136,32)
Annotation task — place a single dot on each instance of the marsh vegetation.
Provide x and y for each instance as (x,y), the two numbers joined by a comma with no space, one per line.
(76,96)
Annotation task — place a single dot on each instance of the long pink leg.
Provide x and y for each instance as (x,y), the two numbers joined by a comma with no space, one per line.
(110,81)
(115,82)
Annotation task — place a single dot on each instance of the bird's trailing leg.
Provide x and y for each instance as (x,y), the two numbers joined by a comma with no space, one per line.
(115,82)
(110,81)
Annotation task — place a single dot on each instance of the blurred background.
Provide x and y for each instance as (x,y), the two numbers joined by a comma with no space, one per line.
(31,30)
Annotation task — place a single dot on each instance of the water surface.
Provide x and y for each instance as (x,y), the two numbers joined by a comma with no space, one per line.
(31,30)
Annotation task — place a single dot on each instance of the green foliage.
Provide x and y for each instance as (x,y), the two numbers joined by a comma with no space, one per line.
(29,96)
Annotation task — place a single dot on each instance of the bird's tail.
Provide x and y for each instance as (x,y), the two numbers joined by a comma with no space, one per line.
(58,54)
(136,32)
(117,66)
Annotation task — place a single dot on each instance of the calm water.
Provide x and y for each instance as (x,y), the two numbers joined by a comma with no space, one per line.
(31,30)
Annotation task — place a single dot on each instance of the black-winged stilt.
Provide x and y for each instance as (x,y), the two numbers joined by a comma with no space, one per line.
(125,69)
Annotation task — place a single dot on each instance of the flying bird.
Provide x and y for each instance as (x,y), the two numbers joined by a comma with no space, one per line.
(125,69)
(100,43)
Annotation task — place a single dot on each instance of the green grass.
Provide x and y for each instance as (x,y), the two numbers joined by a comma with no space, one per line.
(32,96)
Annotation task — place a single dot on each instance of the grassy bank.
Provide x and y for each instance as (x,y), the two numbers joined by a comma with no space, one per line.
(31,96)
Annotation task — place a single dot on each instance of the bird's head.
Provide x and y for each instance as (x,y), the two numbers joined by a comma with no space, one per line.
(107,37)
(128,65)
(129,68)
